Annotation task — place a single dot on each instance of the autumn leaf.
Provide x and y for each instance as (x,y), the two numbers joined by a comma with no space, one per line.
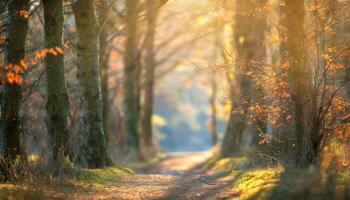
(17,69)
(10,77)
(8,66)
(24,64)
(52,51)
(59,50)
(24,14)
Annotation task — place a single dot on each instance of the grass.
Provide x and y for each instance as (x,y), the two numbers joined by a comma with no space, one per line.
(274,183)
(82,181)
(102,176)
(255,183)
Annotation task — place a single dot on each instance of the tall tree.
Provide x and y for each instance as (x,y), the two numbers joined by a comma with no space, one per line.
(103,11)
(131,73)
(57,96)
(217,48)
(12,92)
(250,29)
(150,67)
(93,147)
(299,78)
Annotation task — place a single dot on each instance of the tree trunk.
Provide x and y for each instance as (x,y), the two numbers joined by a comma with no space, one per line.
(103,63)
(249,40)
(93,145)
(57,97)
(299,76)
(12,93)
(213,120)
(217,48)
(233,137)
(130,73)
(152,14)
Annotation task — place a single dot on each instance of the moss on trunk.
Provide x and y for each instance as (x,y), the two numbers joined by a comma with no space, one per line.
(57,97)
(93,145)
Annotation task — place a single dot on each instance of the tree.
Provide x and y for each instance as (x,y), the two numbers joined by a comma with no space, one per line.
(57,97)
(12,92)
(93,145)
(150,67)
(213,119)
(103,62)
(249,40)
(217,48)
(131,75)
(299,78)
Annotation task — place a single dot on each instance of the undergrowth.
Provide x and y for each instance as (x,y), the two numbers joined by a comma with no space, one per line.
(39,182)
(252,180)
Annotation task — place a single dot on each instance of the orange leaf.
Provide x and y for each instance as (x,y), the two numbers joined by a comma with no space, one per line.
(52,51)
(10,77)
(17,69)
(24,64)
(19,80)
(43,53)
(24,13)
(59,50)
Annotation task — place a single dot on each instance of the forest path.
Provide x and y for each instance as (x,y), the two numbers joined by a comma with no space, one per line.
(176,177)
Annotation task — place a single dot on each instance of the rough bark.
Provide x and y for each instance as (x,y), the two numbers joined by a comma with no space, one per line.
(130,74)
(12,93)
(57,97)
(93,146)
(298,77)
(150,67)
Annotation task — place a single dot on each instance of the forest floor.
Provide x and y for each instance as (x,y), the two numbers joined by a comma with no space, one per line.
(176,176)
(188,175)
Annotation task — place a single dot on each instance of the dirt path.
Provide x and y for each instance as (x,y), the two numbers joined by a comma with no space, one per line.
(174,178)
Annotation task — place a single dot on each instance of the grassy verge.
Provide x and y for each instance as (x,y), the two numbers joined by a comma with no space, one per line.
(82,181)
(274,183)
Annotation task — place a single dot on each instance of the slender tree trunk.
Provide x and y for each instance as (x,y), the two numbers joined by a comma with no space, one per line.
(103,63)
(130,73)
(152,14)
(12,93)
(57,97)
(213,120)
(138,86)
(217,48)
(93,147)
(299,76)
